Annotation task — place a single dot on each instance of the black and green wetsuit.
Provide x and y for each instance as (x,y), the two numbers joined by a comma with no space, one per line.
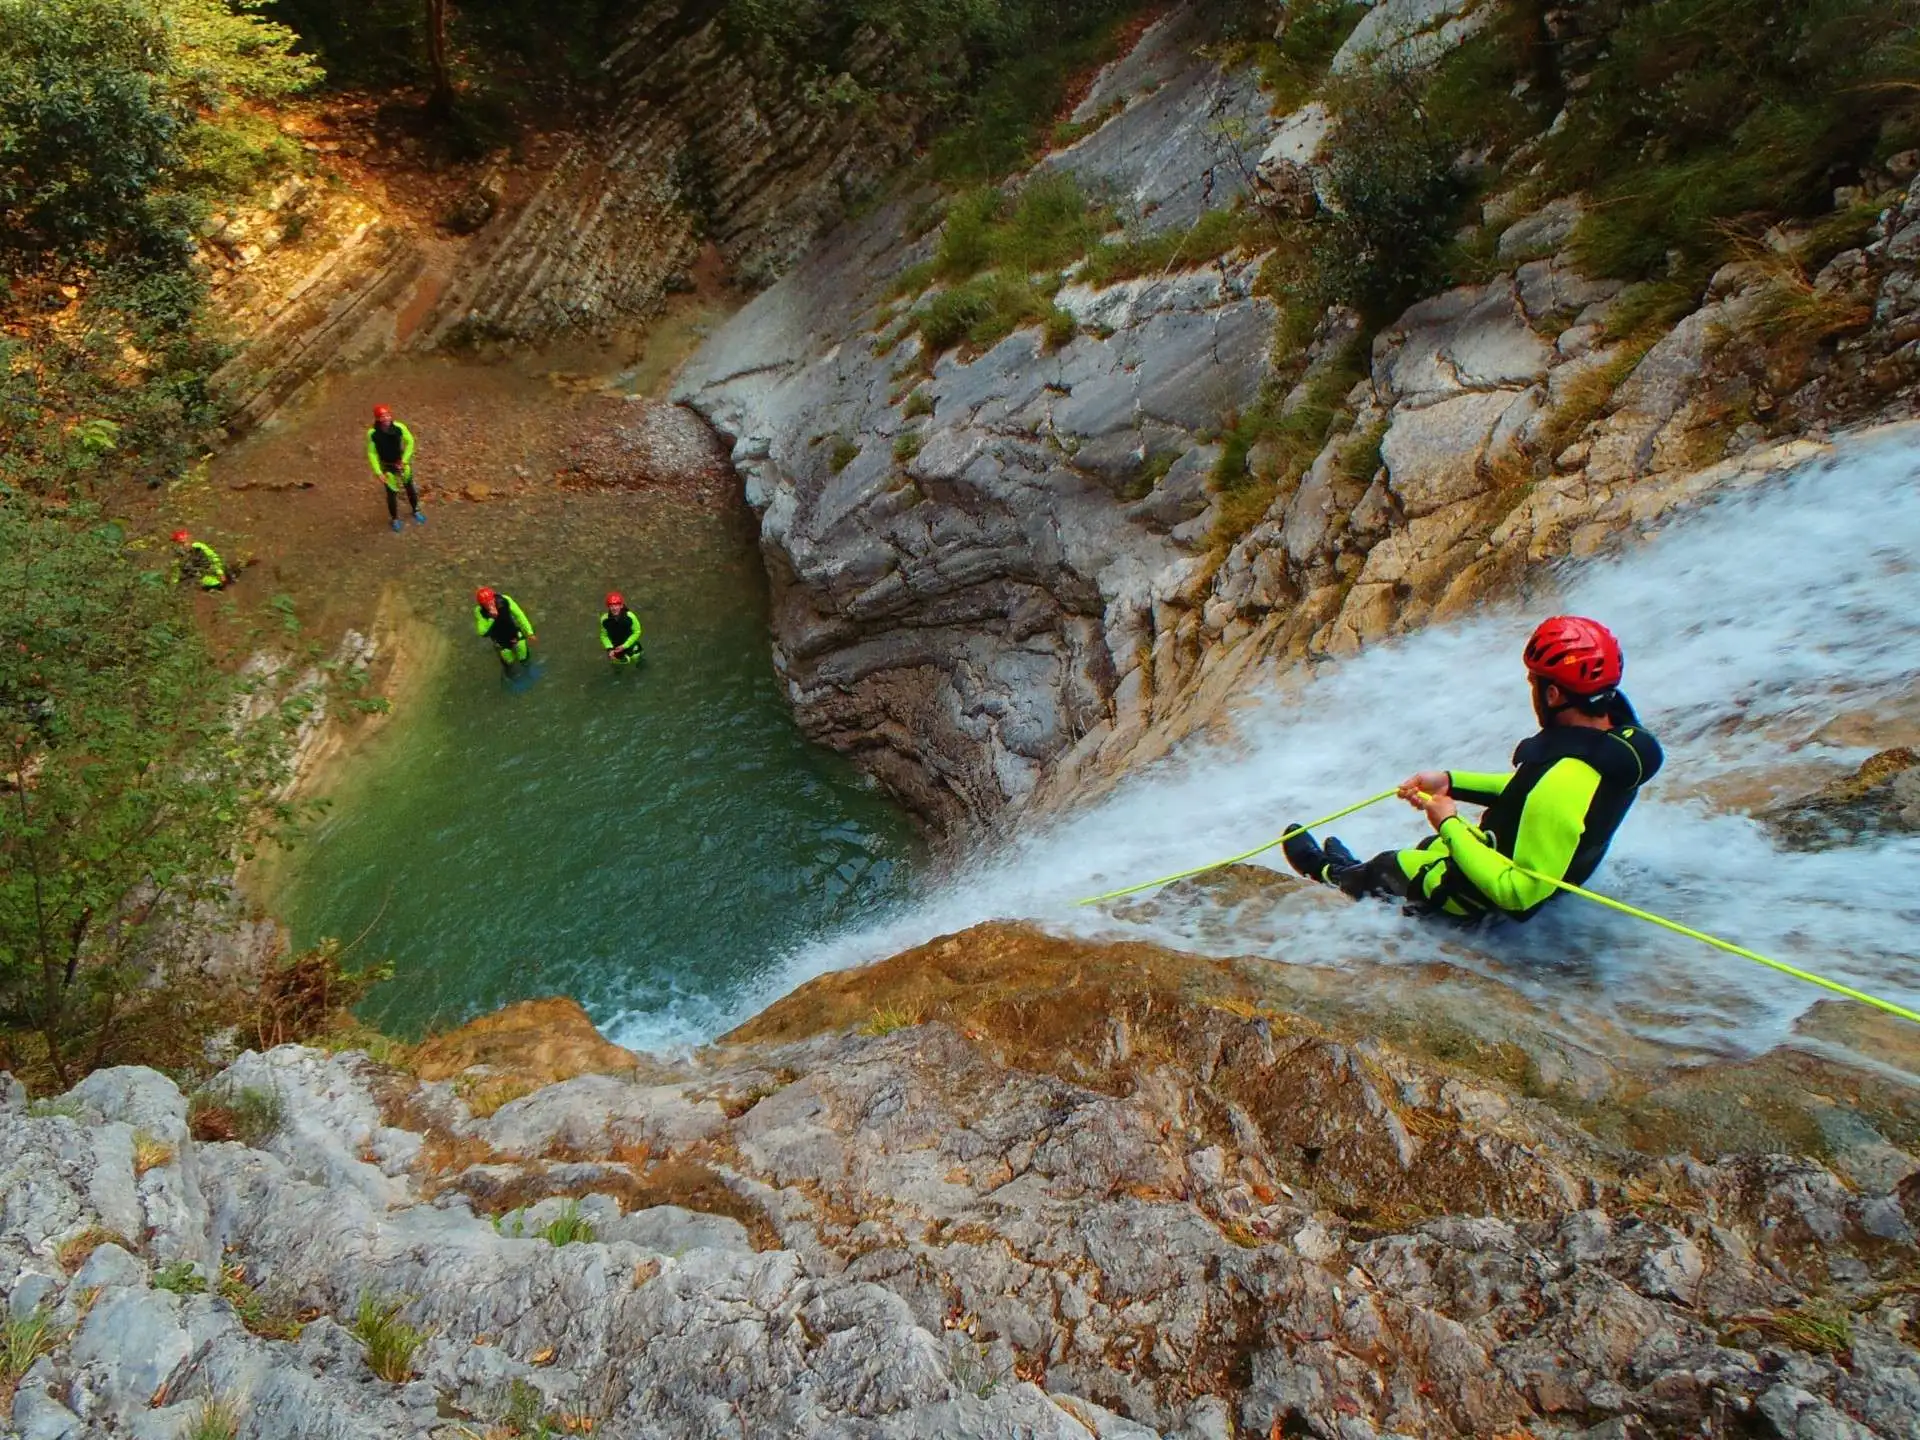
(1555,814)
(390,455)
(202,566)
(621,632)
(508,628)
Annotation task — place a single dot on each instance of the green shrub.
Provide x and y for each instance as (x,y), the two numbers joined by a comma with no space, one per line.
(250,1114)
(390,1341)
(1046,226)
(1391,172)
(1292,66)
(843,454)
(919,403)
(1216,233)
(986,309)
(181,1277)
(1707,119)
(906,445)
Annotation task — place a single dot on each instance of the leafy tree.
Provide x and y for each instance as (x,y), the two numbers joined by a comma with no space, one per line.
(133,773)
(89,132)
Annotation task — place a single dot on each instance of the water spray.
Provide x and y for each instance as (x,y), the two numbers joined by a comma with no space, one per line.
(1608,901)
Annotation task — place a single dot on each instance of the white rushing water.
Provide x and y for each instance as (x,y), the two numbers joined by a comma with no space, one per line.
(1748,626)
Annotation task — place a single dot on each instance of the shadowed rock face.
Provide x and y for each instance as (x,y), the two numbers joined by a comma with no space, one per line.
(1881,798)
(1140,1204)
(957,608)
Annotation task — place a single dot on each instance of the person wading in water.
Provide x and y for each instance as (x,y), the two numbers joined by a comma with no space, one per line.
(500,619)
(620,631)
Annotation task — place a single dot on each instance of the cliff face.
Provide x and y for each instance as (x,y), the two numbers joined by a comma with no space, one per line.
(1015,596)
(962,618)
(579,232)
(1150,1205)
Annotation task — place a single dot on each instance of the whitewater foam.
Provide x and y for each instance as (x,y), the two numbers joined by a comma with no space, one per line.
(1748,624)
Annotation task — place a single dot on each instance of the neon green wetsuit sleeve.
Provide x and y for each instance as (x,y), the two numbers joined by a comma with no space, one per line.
(1477,787)
(373,458)
(482,622)
(406,448)
(1551,825)
(519,615)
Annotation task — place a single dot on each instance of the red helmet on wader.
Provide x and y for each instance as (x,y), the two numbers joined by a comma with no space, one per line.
(1579,655)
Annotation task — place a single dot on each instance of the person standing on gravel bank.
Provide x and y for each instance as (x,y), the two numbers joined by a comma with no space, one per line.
(390,453)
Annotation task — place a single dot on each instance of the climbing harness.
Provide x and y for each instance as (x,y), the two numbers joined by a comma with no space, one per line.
(1236,859)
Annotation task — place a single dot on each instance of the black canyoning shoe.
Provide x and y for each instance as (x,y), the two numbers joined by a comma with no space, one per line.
(1304,854)
(1338,855)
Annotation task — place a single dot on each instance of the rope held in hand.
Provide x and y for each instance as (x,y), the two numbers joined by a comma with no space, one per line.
(1236,859)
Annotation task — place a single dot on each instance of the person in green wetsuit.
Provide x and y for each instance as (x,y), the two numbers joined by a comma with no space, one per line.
(1555,813)
(390,453)
(199,563)
(501,620)
(620,631)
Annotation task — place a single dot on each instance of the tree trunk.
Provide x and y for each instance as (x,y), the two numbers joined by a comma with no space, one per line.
(441,101)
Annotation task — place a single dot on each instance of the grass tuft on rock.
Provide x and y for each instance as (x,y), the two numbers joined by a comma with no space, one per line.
(216,1419)
(23,1340)
(182,1277)
(390,1341)
(250,1114)
(569,1227)
(887,1019)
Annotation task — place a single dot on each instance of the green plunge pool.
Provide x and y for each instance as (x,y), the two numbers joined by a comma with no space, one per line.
(652,841)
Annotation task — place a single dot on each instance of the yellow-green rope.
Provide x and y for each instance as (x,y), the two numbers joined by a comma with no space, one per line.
(1236,859)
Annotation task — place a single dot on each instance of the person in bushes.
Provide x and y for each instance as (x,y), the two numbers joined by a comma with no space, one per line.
(1553,815)
(199,563)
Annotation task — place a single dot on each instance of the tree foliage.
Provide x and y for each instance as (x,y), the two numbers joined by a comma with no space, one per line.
(136,771)
(103,106)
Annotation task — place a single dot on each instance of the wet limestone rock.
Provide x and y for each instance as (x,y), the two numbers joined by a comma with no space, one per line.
(1142,1204)
(1881,798)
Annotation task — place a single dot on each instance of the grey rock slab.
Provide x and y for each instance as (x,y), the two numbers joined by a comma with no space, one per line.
(1432,454)
(1179,152)
(1542,232)
(31,1289)
(38,1416)
(1400,34)
(131,1343)
(142,1098)
(109,1265)
(672,1230)
(1473,338)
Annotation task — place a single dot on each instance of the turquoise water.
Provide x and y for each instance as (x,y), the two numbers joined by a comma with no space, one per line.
(650,840)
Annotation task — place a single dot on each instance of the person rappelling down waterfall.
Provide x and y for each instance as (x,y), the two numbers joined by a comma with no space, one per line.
(1555,814)
(501,620)
(620,631)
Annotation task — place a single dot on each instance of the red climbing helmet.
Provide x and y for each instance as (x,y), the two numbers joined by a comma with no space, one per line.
(181,537)
(614,597)
(485,596)
(382,412)
(1579,655)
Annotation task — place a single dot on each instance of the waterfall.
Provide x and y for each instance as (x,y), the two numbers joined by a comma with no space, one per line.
(1749,625)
